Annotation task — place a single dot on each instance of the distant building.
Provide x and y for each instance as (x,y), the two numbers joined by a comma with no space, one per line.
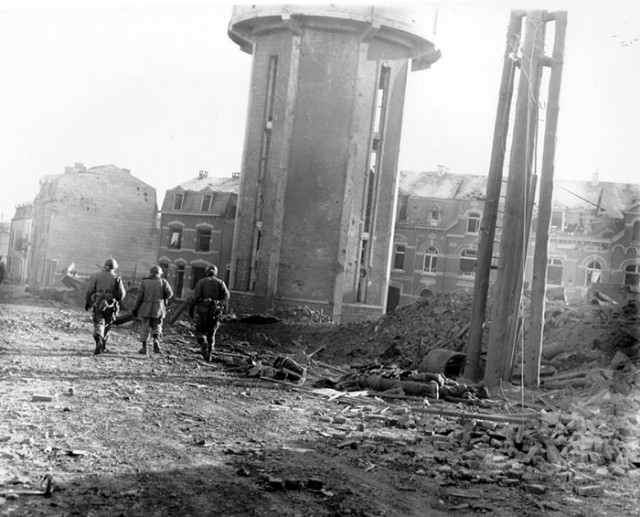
(85,216)
(20,244)
(594,239)
(197,224)
(5,230)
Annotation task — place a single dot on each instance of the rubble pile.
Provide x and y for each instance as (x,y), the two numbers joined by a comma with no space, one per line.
(582,443)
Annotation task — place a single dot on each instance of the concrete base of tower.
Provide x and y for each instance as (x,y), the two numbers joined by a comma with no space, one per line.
(243,302)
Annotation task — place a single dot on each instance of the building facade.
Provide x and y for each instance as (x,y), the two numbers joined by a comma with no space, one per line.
(594,239)
(196,230)
(317,198)
(85,216)
(20,244)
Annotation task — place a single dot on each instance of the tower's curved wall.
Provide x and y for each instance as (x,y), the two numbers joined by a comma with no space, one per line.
(316,205)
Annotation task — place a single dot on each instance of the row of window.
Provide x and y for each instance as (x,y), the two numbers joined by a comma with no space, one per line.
(205,204)
(468,259)
(473,218)
(203,239)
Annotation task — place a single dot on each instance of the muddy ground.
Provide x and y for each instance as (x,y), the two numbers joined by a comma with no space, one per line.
(171,435)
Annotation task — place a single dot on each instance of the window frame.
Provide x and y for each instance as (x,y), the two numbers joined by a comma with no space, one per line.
(199,236)
(206,197)
(464,258)
(474,217)
(175,231)
(177,205)
(399,256)
(430,254)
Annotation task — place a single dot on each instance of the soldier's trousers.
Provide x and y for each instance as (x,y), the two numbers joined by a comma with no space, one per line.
(150,326)
(206,326)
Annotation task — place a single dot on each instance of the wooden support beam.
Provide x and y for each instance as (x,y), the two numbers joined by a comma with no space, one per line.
(533,346)
(491,206)
(512,245)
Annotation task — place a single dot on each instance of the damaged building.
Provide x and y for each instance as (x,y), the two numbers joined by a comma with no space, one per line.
(86,215)
(20,244)
(197,221)
(594,239)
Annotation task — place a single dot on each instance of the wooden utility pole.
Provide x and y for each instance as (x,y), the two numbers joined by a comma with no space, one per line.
(533,346)
(492,201)
(513,244)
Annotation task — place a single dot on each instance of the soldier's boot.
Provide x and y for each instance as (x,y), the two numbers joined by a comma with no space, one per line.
(203,346)
(156,345)
(98,341)
(143,350)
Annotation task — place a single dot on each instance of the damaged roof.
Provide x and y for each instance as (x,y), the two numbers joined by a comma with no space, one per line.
(221,184)
(613,198)
(442,185)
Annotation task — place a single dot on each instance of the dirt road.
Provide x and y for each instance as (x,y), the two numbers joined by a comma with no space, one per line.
(169,435)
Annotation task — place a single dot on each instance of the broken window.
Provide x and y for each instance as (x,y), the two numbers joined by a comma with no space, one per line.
(206,202)
(402,213)
(632,275)
(175,240)
(430,260)
(554,271)
(473,222)
(594,272)
(177,201)
(468,259)
(435,214)
(556,220)
(204,240)
(179,281)
(398,258)
(197,273)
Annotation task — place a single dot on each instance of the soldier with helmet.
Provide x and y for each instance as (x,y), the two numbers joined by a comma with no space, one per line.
(104,293)
(151,306)
(209,294)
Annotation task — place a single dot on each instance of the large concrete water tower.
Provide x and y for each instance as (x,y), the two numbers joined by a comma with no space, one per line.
(317,198)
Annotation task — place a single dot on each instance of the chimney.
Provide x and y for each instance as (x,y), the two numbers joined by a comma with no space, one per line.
(79,166)
(202,174)
(594,179)
(235,175)
(69,170)
(442,170)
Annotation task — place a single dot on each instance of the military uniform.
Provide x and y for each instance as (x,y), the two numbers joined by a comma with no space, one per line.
(207,295)
(104,292)
(151,306)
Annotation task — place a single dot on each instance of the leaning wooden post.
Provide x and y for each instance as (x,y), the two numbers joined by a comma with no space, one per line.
(492,201)
(533,345)
(512,240)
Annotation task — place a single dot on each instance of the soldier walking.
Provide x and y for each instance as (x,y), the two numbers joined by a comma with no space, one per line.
(209,294)
(151,306)
(104,293)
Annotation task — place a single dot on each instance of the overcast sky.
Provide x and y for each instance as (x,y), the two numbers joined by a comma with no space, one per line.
(160,89)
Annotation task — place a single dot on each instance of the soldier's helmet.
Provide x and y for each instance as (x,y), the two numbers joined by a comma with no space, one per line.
(155,271)
(211,271)
(110,263)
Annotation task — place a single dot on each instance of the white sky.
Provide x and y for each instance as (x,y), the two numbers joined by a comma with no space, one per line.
(160,89)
